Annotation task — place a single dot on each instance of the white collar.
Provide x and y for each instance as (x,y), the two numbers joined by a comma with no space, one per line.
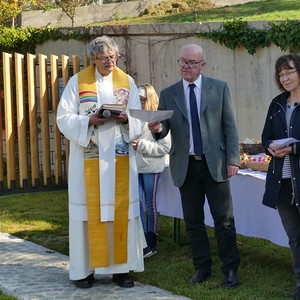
(197,82)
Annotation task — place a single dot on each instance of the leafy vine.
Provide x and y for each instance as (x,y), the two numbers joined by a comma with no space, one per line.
(237,33)
(233,34)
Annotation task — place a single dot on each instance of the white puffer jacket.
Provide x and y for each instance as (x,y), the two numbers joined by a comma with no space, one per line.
(151,154)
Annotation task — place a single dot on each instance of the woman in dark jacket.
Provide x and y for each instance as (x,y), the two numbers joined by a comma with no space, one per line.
(283,178)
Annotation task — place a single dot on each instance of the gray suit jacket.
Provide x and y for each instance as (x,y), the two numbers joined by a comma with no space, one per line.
(218,129)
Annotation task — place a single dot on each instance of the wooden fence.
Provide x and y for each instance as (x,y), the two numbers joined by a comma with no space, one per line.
(33,153)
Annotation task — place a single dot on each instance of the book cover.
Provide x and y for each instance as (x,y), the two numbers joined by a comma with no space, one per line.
(115,109)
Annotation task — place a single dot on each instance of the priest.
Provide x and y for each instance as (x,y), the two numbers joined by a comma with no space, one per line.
(105,231)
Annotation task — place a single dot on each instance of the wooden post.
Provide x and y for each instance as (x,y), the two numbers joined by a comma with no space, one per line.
(56,132)
(44,119)
(33,123)
(9,120)
(65,78)
(1,142)
(21,120)
(86,61)
(76,64)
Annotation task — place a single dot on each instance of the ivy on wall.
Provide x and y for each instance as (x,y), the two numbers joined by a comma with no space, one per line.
(236,33)
(233,34)
(25,40)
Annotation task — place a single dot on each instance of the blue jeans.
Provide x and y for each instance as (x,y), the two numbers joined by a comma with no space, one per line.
(148,184)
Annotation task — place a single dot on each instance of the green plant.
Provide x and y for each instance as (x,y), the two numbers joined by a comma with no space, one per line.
(286,35)
(237,33)
(116,16)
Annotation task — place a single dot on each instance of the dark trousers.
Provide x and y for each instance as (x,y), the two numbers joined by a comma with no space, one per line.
(290,218)
(197,185)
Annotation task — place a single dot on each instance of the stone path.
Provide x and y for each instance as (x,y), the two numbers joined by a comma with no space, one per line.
(31,272)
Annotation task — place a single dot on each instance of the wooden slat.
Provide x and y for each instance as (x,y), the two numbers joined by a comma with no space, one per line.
(76,63)
(65,77)
(33,123)
(44,119)
(1,141)
(9,120)
(21,120)
(86,61)
(56,132)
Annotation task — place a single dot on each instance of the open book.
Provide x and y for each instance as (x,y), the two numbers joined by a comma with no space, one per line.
(114,109)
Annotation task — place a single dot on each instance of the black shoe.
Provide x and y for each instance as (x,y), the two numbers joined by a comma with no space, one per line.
(231,279)
(199,277)
(295,294)
(123,280)
(154,250)
(85,283)
(147,252)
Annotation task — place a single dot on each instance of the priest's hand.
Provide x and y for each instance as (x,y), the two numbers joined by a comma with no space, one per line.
(95,120)
(122,117)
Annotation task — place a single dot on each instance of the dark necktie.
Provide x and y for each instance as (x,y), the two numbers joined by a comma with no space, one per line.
(195,122)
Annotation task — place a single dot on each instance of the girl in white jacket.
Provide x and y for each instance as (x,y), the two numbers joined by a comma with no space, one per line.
(151,156)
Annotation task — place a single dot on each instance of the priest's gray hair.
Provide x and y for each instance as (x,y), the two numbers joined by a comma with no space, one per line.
(102,44)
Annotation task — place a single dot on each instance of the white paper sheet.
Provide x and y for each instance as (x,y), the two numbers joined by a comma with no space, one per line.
(284,142)
(151,116)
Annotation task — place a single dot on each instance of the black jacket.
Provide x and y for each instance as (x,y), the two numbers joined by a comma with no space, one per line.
(276,128)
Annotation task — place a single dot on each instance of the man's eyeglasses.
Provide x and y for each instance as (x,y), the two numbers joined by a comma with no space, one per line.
(190,63)
(106,59)
(287,74)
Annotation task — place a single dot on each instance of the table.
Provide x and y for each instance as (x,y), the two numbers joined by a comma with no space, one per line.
(252,218)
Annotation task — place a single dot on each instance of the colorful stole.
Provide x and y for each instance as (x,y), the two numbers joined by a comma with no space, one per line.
(97,230)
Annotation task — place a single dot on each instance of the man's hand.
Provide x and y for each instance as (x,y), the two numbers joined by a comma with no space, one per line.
(155,127)
(232,170)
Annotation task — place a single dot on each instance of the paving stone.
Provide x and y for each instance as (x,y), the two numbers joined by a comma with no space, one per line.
(31,272)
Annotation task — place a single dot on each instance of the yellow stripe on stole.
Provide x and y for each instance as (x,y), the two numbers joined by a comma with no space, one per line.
(97,231)
(121,210)
(86,80)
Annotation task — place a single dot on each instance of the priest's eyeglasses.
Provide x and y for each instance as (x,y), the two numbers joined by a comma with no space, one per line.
(106,59)
(190,63)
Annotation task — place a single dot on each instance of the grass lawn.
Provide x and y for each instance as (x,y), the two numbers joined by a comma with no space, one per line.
(263,10)
(265,272)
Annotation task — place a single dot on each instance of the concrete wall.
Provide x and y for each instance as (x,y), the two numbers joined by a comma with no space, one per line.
(87,15)
(151,52)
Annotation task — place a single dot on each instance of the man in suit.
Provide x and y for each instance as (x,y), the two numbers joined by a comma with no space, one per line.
(203,157)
